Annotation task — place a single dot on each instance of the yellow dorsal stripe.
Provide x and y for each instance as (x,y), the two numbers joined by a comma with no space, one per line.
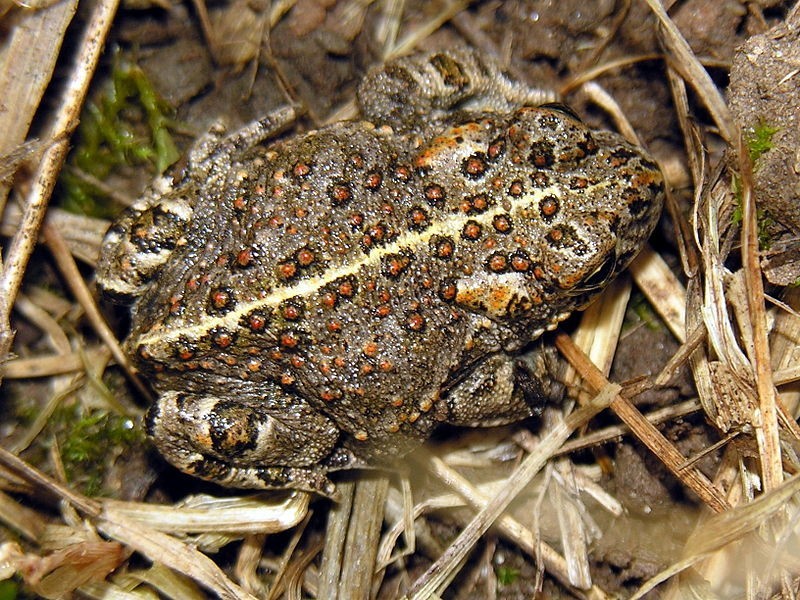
(449,226)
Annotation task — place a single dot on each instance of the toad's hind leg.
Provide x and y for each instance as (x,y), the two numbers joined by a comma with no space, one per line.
(427,86)
(219,147)
(258,442)
(504,388)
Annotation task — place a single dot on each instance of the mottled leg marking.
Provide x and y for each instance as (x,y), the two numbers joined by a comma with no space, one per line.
(240,443)
(503,389)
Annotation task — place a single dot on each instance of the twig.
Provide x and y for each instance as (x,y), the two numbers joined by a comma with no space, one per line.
(643,429)
(685,62)
(52,159)
(72,276)
(766,427)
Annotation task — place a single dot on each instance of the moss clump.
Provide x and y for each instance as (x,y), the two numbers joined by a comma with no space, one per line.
(89,439)
(760,140)
(507,575)
(127,124)
(9,590)
(640,312)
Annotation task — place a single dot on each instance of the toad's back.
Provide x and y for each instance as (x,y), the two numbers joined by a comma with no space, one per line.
(340,262)
(338,294)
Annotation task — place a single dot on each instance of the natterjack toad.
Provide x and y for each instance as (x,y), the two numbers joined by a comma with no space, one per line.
(324,302)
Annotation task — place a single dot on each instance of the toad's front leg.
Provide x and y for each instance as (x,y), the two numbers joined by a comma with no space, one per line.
(503,388)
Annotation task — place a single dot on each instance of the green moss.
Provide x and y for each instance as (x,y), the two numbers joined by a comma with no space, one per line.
(9,590)
(760,140)
(766,224)
(640,312)
(88,439)
(127,124)
(25,412)
(736,188)
(507,575)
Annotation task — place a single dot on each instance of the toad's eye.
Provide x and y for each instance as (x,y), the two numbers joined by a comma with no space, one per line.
(601,275)
(562,108)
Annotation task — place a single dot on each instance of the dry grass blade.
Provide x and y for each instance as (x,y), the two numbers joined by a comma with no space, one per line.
(14,158)
(155,545)
(522,536)
(363,536)
(389,25)
(437,576)
(288,571)
(409,42)
(27,61)
(595,72)
(766,426)
(78,286)
(240,515)
(722,374)
(296,573)
(44,416)
(46,322)
(599,329)
(662,289)
(603,99)
(691,139)
(335,540)
(722,529)
(82,234)
(56,364)
(696,167)
(159,576)
(248,558)
(25,471)
(162,548)
(681,356)
(785,340)
(104,591)
(572,527)
(22,519)
(351,546)
(66,569)
(607,434)
(785,376)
